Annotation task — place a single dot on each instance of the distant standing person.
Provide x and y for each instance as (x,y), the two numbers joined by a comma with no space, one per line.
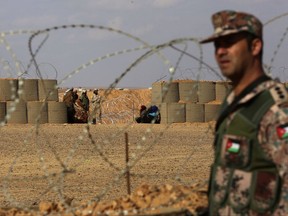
(74,95)
(96,112)
(69,99)
(84,99)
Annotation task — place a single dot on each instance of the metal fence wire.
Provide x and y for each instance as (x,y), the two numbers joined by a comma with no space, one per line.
(73,168)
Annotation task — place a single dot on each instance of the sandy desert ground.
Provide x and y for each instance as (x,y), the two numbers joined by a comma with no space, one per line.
(86,164)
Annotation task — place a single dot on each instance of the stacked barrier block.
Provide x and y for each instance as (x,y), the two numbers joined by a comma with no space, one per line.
(28,101)
(195,101)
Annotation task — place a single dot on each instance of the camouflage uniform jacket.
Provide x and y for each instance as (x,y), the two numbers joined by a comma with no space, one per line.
(85,101)
(233,186)
(96,103)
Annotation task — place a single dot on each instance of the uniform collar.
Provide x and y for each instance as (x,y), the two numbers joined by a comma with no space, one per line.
(256,87)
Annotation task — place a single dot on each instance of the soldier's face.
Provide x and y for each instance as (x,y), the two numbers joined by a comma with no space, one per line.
(233,55)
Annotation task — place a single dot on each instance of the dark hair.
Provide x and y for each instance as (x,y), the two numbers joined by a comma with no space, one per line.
(143,107)
(250,38)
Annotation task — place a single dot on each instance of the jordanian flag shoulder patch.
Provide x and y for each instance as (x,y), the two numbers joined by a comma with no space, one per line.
(282,131)
(233,146)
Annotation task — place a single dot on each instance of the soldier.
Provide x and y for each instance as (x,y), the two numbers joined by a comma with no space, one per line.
(249,175)
(84,99)
(96,112)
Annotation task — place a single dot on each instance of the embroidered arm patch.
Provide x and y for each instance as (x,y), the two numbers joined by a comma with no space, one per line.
(282,131)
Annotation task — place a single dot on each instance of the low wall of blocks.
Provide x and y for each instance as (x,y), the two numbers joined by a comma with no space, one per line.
(189,100)
(31,101)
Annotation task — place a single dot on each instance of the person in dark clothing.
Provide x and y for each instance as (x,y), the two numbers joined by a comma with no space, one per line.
(153,115)
(142,113)
(150,115)
(69,98)
(74,95)
(84,100)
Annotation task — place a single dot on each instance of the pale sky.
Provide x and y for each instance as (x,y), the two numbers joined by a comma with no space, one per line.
(155,22)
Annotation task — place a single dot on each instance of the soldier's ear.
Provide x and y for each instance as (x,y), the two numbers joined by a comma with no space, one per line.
(257,45)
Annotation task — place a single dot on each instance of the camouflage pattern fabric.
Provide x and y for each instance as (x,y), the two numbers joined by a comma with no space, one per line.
(85,101)
(273,140)
(96,112)
(277,148)
(230,22)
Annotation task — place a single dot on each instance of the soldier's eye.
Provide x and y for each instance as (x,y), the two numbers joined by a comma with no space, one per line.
(226,42)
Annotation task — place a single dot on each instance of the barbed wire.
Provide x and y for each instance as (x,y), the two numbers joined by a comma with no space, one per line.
(113,114)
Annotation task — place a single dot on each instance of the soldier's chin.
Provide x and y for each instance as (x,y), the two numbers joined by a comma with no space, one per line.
(226,72)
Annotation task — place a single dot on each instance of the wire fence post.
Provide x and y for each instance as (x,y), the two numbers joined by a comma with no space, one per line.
(133,108)
(127,164)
